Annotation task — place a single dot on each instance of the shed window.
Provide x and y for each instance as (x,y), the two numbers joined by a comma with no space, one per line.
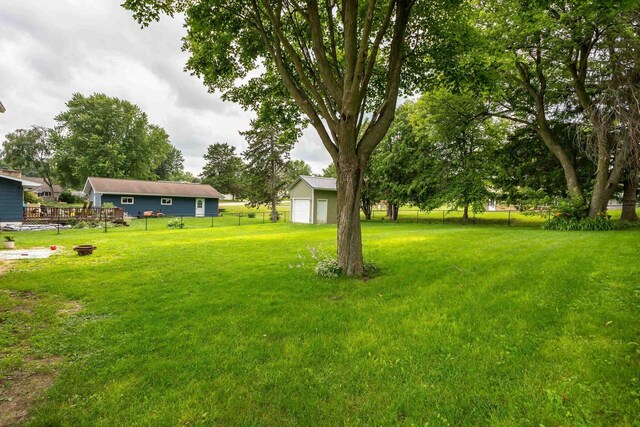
(166,202)
(126,200)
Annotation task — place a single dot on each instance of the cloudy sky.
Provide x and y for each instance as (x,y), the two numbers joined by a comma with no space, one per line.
(50,49)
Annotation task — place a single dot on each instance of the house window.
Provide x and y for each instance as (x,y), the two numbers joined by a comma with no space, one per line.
(126,200)
(166,202)
(45,194)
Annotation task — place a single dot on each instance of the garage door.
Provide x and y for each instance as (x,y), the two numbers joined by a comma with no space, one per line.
(301,211)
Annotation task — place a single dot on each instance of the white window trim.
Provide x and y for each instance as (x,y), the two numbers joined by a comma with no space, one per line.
(163,199)
(122,200)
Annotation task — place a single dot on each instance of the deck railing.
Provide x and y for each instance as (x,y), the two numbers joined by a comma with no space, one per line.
(55,214)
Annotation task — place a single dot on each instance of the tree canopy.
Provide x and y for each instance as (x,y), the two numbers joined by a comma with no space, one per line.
(99,135)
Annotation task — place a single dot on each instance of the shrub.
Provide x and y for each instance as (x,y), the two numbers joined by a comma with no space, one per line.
(599,223)
(251,214)
(108,205)
(175,223)
(328,267)
(30,197)
(67,197)
(81,224)
(9,239)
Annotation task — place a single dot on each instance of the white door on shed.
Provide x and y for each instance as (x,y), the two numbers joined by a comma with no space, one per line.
(321,211)
(301,211)
(199,207)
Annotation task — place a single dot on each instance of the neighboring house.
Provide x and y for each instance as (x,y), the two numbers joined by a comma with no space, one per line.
(314,200)
(12,188)
(172,198)
(44,191)
(2,109)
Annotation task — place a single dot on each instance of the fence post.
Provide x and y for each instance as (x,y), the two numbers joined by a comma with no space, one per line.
(181,225)
(105,222)
(58,220)
(212,220)
(474,218)
(417,212)
(443,217)
(146,223)
(509,219)
(263,217)
(238,219)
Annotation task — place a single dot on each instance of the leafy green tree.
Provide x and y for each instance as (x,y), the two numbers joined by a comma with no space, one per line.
(295,168)
(103,136)
(172,166)
(464,136)
(330,171)
(32,151)
(398,166)
(339,61)
(570,62)
(223,169)
(270,142)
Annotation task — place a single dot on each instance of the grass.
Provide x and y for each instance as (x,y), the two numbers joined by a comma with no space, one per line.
(229,325)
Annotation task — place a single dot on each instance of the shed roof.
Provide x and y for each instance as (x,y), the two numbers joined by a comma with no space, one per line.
(150,188)
(24,182)
(317,182)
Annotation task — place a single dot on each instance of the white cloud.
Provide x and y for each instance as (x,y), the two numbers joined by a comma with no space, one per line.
(51,49)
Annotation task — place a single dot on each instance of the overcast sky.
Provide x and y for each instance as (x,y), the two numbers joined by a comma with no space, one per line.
(50,49)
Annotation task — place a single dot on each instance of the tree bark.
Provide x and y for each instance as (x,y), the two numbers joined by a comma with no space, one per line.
(392,211)
(349,185)
(366,208)
(629,199)
(465,214)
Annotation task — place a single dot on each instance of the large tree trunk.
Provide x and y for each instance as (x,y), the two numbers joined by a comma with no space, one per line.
(392,211)
(570,175)
(349,186)
(465,214)
(367,205)
(629,199)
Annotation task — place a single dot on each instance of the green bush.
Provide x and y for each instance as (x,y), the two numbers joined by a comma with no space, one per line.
(251,214)
(175,223)
(599,223)
(108,205)
(67,197)
(328,268)
(30,197)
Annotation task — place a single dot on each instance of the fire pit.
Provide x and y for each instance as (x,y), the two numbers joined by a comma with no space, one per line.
(84,249)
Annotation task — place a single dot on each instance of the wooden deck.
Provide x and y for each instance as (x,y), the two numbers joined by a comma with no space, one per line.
(48,214)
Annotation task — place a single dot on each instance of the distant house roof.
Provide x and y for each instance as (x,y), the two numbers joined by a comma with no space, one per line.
(25,183)
(2,109)
(317,182)
(131,187)
(56,188)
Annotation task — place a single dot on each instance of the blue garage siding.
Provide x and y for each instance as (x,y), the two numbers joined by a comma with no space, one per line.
(180,205)
(11,199)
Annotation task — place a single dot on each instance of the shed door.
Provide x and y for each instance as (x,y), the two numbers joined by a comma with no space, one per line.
(199,207)
(321,211)
(301,211)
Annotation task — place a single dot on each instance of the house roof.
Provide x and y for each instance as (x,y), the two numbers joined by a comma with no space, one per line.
(316,182)
(131,187)
(2,109)
(24,182)
(56,188)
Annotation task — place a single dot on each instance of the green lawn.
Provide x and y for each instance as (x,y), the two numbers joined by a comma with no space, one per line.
(229,325)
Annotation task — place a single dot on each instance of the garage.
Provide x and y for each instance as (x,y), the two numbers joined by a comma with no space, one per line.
(301,211)
(314,200)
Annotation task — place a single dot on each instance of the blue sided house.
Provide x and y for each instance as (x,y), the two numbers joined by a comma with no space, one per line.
(12,188)
(172,198)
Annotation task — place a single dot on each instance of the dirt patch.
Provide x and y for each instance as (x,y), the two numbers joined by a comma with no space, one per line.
(18,392)
(22,385)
